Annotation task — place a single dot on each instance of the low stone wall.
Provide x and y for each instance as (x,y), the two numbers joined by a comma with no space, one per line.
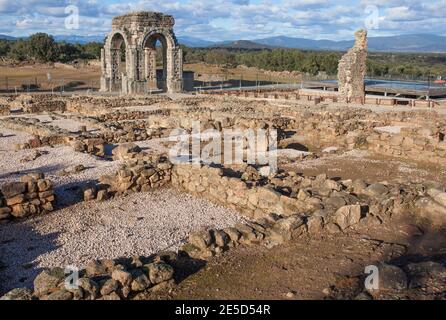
(420,144)
(93,146)
(255,197)
(33,194)
(103,280)
(134,176)
(38,142)
(38,103)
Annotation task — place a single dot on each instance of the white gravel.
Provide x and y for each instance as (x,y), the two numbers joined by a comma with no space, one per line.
(51,164)
(78,232)
(140,224)
(9,139)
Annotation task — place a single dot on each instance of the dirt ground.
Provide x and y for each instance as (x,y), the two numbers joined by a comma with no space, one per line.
(88,76)
(329,266)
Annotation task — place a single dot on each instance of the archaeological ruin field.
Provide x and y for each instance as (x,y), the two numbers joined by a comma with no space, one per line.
(143,185)
(87,181)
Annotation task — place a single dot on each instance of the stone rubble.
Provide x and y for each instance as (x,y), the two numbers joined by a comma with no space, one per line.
(33,194)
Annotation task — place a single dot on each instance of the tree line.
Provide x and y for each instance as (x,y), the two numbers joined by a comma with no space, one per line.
(43,48)
(390,65)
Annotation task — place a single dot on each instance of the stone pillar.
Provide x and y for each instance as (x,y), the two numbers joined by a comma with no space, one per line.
(352,69)
(175,71)
(150,67)
(104,77)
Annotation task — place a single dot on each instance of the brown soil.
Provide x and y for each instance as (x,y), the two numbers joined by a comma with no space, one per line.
(329,266)
(318,267)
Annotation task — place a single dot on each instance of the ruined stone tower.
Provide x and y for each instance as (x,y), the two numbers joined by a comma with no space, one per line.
(352,68)
(139,33)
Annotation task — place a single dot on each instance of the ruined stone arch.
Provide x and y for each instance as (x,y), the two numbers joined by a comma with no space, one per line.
(140,32)
(169,47)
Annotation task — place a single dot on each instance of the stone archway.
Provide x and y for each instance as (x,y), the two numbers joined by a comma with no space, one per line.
(114,69)
(140,31)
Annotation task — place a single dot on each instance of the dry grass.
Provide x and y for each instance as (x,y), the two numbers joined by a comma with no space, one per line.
(88,76)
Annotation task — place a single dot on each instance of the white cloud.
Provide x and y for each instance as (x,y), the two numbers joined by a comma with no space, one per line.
(233,19)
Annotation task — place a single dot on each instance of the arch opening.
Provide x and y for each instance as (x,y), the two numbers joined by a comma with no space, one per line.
(155,55)
(118,52)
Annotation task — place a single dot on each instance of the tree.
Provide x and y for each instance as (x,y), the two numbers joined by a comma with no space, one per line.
(5,46)
(19,50)
(42,47)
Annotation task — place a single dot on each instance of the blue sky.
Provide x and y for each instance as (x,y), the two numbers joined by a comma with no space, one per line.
(235,19)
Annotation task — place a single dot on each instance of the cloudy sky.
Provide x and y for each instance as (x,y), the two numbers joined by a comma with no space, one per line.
(232,19)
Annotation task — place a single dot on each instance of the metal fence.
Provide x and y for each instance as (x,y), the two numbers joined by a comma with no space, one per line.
(42,84)
(201,82)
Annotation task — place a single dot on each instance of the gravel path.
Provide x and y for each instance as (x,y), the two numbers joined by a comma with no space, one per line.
(140,224)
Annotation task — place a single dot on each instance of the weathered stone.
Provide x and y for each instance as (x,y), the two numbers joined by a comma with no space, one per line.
(221,238)
(89,287)
(159,272)
(109,286)
(111,296)
(438,196)
(95,268)
(11,189)
(44,185)
(123,277)
(48,280)
(102,195)
(90,194)
(201,240)
(391,277)
(315,224)
(377,190)
(140,282)
(18,294)
(359,186)
(121,151)
(20,198)
(233,234)
(60,294)
(431,210)
(348,216)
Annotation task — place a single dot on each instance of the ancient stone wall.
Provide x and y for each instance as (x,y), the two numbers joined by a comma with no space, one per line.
(419,144)
(138,175)
(33,194)
(352,68)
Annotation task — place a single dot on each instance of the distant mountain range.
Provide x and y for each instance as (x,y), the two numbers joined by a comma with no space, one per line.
(401,43)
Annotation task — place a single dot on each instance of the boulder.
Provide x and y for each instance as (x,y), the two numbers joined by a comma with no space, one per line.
(431,210)
(159,272)
(438,196)
(48,280)
(347,216)
(123,277)
(109,286)
(377,190)
(391,277)
(121,151)
(201,240)
(18,294)
(140,282)
(89,287)
(60,294)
